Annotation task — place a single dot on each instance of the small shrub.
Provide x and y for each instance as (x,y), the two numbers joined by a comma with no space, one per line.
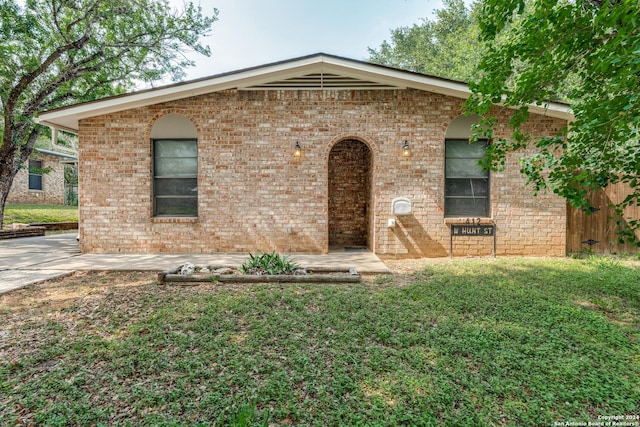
(268,264)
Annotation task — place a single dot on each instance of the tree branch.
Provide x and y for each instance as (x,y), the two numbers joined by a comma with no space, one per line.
(71,72)
(29,78)
(86,15)
(27,149)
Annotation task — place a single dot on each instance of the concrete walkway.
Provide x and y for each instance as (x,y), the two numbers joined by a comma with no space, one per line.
(34,259)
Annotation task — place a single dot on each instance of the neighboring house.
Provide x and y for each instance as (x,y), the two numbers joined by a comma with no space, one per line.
(306,155)
(41,181)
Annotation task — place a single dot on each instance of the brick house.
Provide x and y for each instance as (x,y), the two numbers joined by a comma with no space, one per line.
(306,155)
(41,182)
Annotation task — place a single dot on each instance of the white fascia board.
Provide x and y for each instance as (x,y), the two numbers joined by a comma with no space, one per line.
(552,109)
(393,77)
(428,84)
(67,118)
(66,124)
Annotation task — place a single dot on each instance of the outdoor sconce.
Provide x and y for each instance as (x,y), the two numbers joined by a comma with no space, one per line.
(406,151)
(297,150)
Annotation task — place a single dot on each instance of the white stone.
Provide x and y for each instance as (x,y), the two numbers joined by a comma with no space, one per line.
(187,269)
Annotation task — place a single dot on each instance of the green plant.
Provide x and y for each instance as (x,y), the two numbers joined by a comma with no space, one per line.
(604,261)
(71,195)
(588,251)
(268,264)
(245,417)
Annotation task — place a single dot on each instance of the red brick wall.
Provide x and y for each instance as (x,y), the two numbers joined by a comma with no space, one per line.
(349,193)
(255,196)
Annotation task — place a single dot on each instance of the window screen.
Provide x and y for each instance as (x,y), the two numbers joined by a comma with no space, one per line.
(35,175)
(466,186)
(175,177)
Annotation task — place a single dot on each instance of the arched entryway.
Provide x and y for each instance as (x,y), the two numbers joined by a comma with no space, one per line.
(350,178)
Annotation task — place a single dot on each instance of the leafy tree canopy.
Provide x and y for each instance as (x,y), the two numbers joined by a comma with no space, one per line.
(58,52)
(535,48)
(447,46)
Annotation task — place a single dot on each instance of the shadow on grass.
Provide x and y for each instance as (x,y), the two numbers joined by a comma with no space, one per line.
(504,342)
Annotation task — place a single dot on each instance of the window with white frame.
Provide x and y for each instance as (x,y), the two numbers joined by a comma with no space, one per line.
(466,189)
(175,177)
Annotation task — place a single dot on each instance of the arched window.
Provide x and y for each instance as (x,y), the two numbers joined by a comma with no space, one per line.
(175,166)
(466,187)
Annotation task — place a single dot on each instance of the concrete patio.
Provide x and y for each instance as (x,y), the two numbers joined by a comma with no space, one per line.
(34,259)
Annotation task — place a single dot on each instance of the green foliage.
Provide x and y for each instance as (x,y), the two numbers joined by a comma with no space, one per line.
(40,171)
(71,185)
(587,52)
(71,195)
(64,52)
(447,46)
(271,264)
(246,417)
(509,342)
(66,143)
(59,52)
(71,174)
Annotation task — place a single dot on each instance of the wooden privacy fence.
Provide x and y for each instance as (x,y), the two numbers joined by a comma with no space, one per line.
(596,231)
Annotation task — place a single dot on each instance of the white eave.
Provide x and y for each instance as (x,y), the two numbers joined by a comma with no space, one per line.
(315,72)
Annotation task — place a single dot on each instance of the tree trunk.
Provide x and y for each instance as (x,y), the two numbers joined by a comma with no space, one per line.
(13,156)
(7,174)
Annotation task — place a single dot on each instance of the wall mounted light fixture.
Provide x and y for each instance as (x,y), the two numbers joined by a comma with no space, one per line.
(297,150)
(406,151)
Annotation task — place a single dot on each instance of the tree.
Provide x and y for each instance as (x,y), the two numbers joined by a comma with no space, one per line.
(536,47)
(58,52)
(445,47)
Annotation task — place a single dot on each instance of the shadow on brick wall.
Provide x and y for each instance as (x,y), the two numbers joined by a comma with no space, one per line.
(416,239)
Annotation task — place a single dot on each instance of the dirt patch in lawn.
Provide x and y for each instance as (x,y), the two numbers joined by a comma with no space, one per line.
(58,294)
(74,302)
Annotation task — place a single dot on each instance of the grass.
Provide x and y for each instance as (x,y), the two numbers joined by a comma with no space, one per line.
(507,342)
(28,214)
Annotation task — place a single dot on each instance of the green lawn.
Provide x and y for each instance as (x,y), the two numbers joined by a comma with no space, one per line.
(28,214)
(517,342)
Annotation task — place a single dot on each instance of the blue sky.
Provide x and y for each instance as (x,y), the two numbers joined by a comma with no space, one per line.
(257,32)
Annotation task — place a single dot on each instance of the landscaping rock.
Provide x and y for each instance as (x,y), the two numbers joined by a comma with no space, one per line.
(189,275)
(187,269)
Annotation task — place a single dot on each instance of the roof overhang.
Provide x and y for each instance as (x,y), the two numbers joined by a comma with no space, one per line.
(315,72)
(65,157)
